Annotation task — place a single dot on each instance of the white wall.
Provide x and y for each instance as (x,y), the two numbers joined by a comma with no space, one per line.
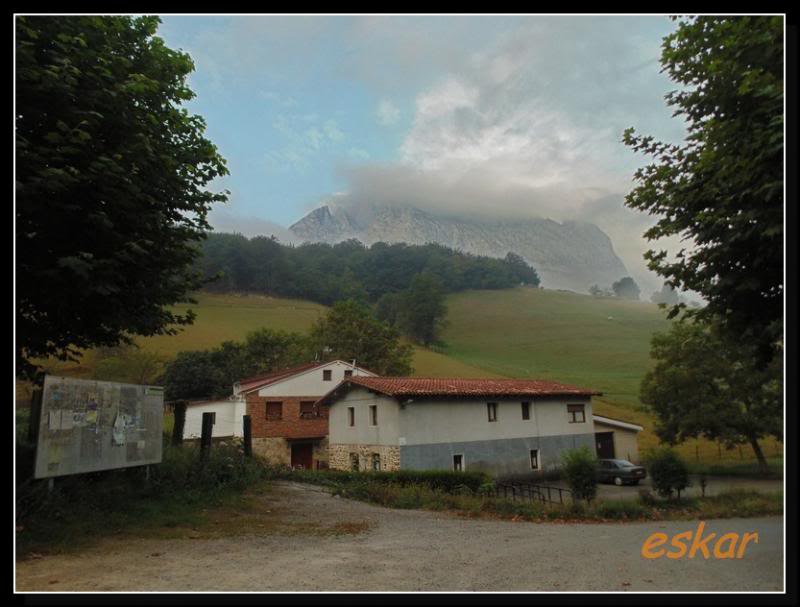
(228,420)
(310,383)
(363,432)
(424,422)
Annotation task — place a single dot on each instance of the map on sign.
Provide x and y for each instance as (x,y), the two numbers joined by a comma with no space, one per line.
(88,425)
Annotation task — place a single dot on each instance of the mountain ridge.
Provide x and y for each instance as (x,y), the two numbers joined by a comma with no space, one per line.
(567,255)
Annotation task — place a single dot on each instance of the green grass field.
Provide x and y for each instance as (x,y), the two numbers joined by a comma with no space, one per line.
(599,343)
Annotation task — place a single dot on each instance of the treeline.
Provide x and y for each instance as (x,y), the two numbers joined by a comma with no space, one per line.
(327,273)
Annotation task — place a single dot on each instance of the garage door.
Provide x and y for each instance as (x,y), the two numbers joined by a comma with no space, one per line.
(605,444)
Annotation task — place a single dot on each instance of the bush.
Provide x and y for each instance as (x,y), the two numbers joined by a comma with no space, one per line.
(668,472)
(438,480)
(580,470)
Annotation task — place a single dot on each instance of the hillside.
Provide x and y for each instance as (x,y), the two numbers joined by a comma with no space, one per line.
(525,332)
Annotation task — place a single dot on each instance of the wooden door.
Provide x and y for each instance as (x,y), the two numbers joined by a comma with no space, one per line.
(302,455)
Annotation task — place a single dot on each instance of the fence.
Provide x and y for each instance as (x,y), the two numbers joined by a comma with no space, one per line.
(533,493)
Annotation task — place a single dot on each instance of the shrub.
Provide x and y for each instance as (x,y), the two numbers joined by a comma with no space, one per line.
(580,470)
(668,472)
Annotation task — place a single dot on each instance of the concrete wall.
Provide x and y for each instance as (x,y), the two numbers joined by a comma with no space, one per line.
(445,421)
(497,457)
(228,419)
(626,444)
(363,432)
(311,382)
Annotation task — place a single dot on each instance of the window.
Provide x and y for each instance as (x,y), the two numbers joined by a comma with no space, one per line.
(526,410)
(491,408)
(351,416)
(326,375)
(458,462)
(534,459)
(376,461)
(306,409)
(348,373)
(576,414)
(354,462)
(274,411)
(373,415)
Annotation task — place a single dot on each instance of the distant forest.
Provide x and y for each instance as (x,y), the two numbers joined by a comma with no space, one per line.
(327,273)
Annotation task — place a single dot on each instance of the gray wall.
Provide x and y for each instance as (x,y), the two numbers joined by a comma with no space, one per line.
(498,457)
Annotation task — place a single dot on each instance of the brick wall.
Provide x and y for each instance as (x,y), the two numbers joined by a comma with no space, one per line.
(339,456)
(291,425)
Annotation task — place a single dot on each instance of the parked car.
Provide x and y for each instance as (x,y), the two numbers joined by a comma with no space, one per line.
(619,472)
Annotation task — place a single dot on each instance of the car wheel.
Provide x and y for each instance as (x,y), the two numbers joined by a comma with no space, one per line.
(617,481)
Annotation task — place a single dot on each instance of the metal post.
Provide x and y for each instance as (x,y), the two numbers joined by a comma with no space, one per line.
(35,415)
(205,437)
(247,427)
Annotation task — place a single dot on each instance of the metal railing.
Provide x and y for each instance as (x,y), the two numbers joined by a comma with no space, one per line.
(533,493)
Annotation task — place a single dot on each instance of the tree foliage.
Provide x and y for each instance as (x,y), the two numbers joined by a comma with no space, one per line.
(348,270)
(580,470)
(111,176)
(351,332)
(722,190)
(418,312)
(626,288)
(667,296)
(668,472)
(212,373)
(705,383)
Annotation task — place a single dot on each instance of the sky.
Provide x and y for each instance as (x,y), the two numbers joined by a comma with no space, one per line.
(507,116)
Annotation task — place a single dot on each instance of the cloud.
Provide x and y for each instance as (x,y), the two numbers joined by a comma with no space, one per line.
(531,125)
(302,143)
(226,220)
(388,113)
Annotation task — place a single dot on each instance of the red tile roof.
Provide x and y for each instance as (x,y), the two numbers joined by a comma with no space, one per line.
(404,387)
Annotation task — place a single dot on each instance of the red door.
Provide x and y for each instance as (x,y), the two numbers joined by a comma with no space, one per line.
(302,455)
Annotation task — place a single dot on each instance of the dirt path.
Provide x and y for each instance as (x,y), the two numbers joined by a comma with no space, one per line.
(356,546)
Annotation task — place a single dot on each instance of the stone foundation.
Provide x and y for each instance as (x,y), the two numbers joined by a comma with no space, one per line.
(274,450)
(339,456)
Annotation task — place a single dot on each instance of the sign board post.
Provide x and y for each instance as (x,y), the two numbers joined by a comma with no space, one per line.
(88,425)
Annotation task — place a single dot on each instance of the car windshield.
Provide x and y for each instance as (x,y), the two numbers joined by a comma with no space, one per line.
(623,463)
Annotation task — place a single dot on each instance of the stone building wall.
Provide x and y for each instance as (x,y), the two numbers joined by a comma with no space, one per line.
(339,456)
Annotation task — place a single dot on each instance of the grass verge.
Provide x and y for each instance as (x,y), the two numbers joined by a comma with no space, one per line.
(482,503)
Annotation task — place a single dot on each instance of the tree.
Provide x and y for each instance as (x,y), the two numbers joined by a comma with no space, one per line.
(212,373)
(668,472)
(667,296)
(129,364)
(524,273)
(350,331)
(580,469)
(723,188)
(705,383)
(626,287)
(111,176)
(192,375)
(422,309)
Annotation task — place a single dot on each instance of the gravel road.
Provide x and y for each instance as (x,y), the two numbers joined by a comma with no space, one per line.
(410,550)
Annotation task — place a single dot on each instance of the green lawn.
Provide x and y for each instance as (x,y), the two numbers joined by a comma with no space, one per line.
(598,343)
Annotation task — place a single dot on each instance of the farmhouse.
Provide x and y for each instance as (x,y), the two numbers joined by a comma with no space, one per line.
(288,426)
(502,426)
